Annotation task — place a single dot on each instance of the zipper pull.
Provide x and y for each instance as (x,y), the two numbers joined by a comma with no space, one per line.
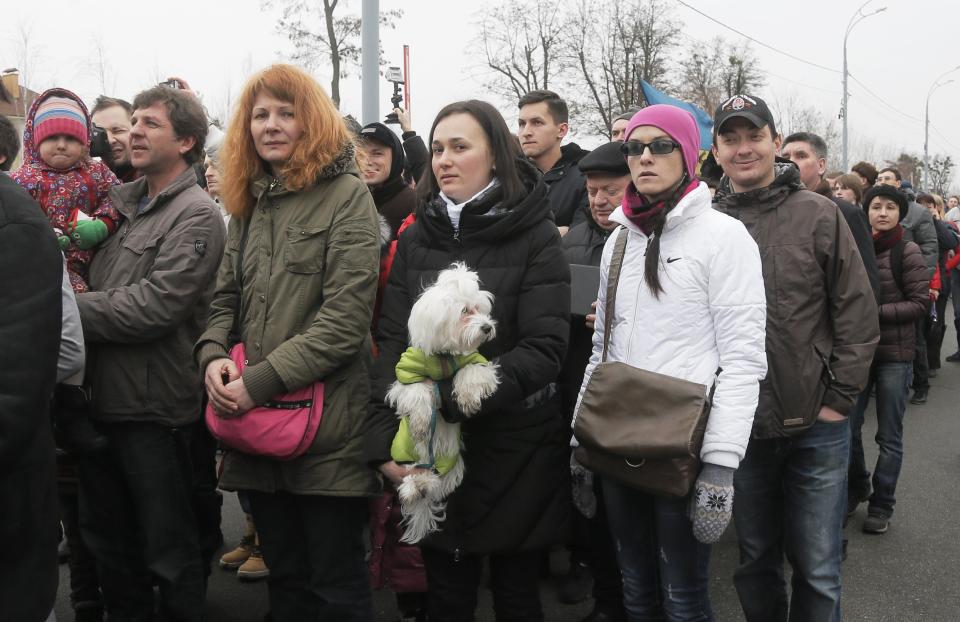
(456,554)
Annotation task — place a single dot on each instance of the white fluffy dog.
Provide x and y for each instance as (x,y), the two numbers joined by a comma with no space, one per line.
(447,324)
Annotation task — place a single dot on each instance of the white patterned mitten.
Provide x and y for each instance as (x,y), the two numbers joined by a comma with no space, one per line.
(711,502)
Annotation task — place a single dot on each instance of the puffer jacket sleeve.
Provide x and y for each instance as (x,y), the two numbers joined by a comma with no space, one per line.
(852,308)
(104,179)
(342,326)
(391,340)
(599,327)
(915,290)
(154,306)
(543,323)
(738,307)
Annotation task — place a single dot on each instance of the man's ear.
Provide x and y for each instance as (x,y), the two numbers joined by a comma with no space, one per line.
(778,142)
(821,166)
(186,144)
(564,128)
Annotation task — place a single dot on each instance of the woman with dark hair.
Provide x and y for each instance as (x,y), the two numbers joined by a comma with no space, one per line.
(689,301)
(904,289)
(483,204)
(297,282)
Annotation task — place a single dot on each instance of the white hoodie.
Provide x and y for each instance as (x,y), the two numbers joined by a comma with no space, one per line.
(712,313)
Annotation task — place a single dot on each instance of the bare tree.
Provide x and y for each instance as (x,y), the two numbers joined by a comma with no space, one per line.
(939,175)
(711,73)
(520,41)
(793,115)
(100,68)
(615,45)
(319,36)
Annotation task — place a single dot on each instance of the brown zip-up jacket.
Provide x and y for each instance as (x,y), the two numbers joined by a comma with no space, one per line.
(822,321)
(151,283)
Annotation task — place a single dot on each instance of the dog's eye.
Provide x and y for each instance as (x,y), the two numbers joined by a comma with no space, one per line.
(464,311)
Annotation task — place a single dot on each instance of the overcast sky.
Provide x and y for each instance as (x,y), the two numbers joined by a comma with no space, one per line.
(214,44)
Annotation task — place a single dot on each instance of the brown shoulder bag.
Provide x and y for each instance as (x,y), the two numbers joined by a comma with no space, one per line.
(639,427)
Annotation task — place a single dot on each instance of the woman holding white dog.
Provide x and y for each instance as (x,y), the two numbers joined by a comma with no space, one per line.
(296,286)
(689,300)
(484,205)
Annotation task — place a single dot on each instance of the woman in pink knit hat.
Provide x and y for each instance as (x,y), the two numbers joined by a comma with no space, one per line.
(690,300)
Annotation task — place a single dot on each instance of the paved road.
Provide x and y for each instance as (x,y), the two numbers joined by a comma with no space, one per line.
(910,574)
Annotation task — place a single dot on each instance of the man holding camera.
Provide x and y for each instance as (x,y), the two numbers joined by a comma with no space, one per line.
(111,116)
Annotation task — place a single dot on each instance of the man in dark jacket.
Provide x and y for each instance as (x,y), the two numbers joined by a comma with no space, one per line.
(591,548)
(544,121)
(822,329)
(30,321)
(809,152)
(383,167)
(150,287)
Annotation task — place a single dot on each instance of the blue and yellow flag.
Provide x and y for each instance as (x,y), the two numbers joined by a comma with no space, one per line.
(704,121)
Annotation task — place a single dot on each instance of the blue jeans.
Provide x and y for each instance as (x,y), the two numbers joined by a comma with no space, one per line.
(790,499)
(665,569)
(893,384)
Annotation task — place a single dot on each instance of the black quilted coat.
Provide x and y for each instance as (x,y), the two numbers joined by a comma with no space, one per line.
(515,492)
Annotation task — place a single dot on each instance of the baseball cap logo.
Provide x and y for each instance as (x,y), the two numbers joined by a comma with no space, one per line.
(738,102)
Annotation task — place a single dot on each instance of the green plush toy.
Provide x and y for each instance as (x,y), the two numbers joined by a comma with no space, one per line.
(88,233)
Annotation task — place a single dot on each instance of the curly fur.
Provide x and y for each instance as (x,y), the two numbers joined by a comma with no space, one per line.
(452,316)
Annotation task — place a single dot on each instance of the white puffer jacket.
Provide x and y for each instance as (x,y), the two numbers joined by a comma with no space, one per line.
(712,313)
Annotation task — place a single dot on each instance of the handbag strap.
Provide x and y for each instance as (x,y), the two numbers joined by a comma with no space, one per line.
(613,278)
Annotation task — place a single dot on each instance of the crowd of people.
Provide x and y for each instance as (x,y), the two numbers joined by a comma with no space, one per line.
(790,296)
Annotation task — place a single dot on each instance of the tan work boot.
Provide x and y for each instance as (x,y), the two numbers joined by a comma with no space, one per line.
(254,568)
(236,557)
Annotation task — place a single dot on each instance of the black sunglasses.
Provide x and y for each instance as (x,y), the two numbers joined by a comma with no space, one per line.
(661,146)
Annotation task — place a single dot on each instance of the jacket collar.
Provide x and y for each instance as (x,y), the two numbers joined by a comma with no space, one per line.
(127,196)
(786,181)
(696,202)
(344,162)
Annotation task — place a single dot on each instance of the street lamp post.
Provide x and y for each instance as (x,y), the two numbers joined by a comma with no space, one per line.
(926,124)
(858,17)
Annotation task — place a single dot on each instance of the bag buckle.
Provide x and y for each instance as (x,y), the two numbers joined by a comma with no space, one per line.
(642,462)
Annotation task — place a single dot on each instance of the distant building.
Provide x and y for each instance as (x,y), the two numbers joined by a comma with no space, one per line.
(22,100)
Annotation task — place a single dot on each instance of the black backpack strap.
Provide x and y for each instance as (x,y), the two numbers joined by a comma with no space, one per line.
(896,264)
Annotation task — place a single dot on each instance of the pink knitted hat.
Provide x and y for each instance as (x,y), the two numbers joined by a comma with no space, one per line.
(678,125)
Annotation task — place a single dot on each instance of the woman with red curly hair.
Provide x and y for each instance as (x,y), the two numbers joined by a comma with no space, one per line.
(297,285)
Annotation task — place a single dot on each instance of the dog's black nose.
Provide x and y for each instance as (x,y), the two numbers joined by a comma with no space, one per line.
(486,329)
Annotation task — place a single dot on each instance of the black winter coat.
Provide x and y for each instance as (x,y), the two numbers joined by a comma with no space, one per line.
(515,492)
(860,228)
(30,320)
(582,245)
(568,188)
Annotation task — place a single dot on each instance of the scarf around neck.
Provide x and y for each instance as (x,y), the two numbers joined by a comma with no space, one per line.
(643,214)
(885,240)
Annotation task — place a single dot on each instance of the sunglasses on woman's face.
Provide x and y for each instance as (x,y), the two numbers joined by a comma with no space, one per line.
(661,146)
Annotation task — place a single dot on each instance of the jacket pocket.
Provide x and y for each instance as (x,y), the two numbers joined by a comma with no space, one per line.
(305,249)
(142,241)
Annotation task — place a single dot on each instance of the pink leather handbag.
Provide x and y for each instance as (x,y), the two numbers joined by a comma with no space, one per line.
(283,428)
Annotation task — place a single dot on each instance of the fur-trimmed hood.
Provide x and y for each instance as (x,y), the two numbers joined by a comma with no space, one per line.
(344,164)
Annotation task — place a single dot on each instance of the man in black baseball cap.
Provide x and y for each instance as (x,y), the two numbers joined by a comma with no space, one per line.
(822,330)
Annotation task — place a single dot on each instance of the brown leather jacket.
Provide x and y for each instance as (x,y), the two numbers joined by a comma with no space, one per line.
(822,326)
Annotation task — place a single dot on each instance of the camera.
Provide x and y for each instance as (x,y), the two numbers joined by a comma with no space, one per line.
(99,145)
(396,76)
(172,83)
